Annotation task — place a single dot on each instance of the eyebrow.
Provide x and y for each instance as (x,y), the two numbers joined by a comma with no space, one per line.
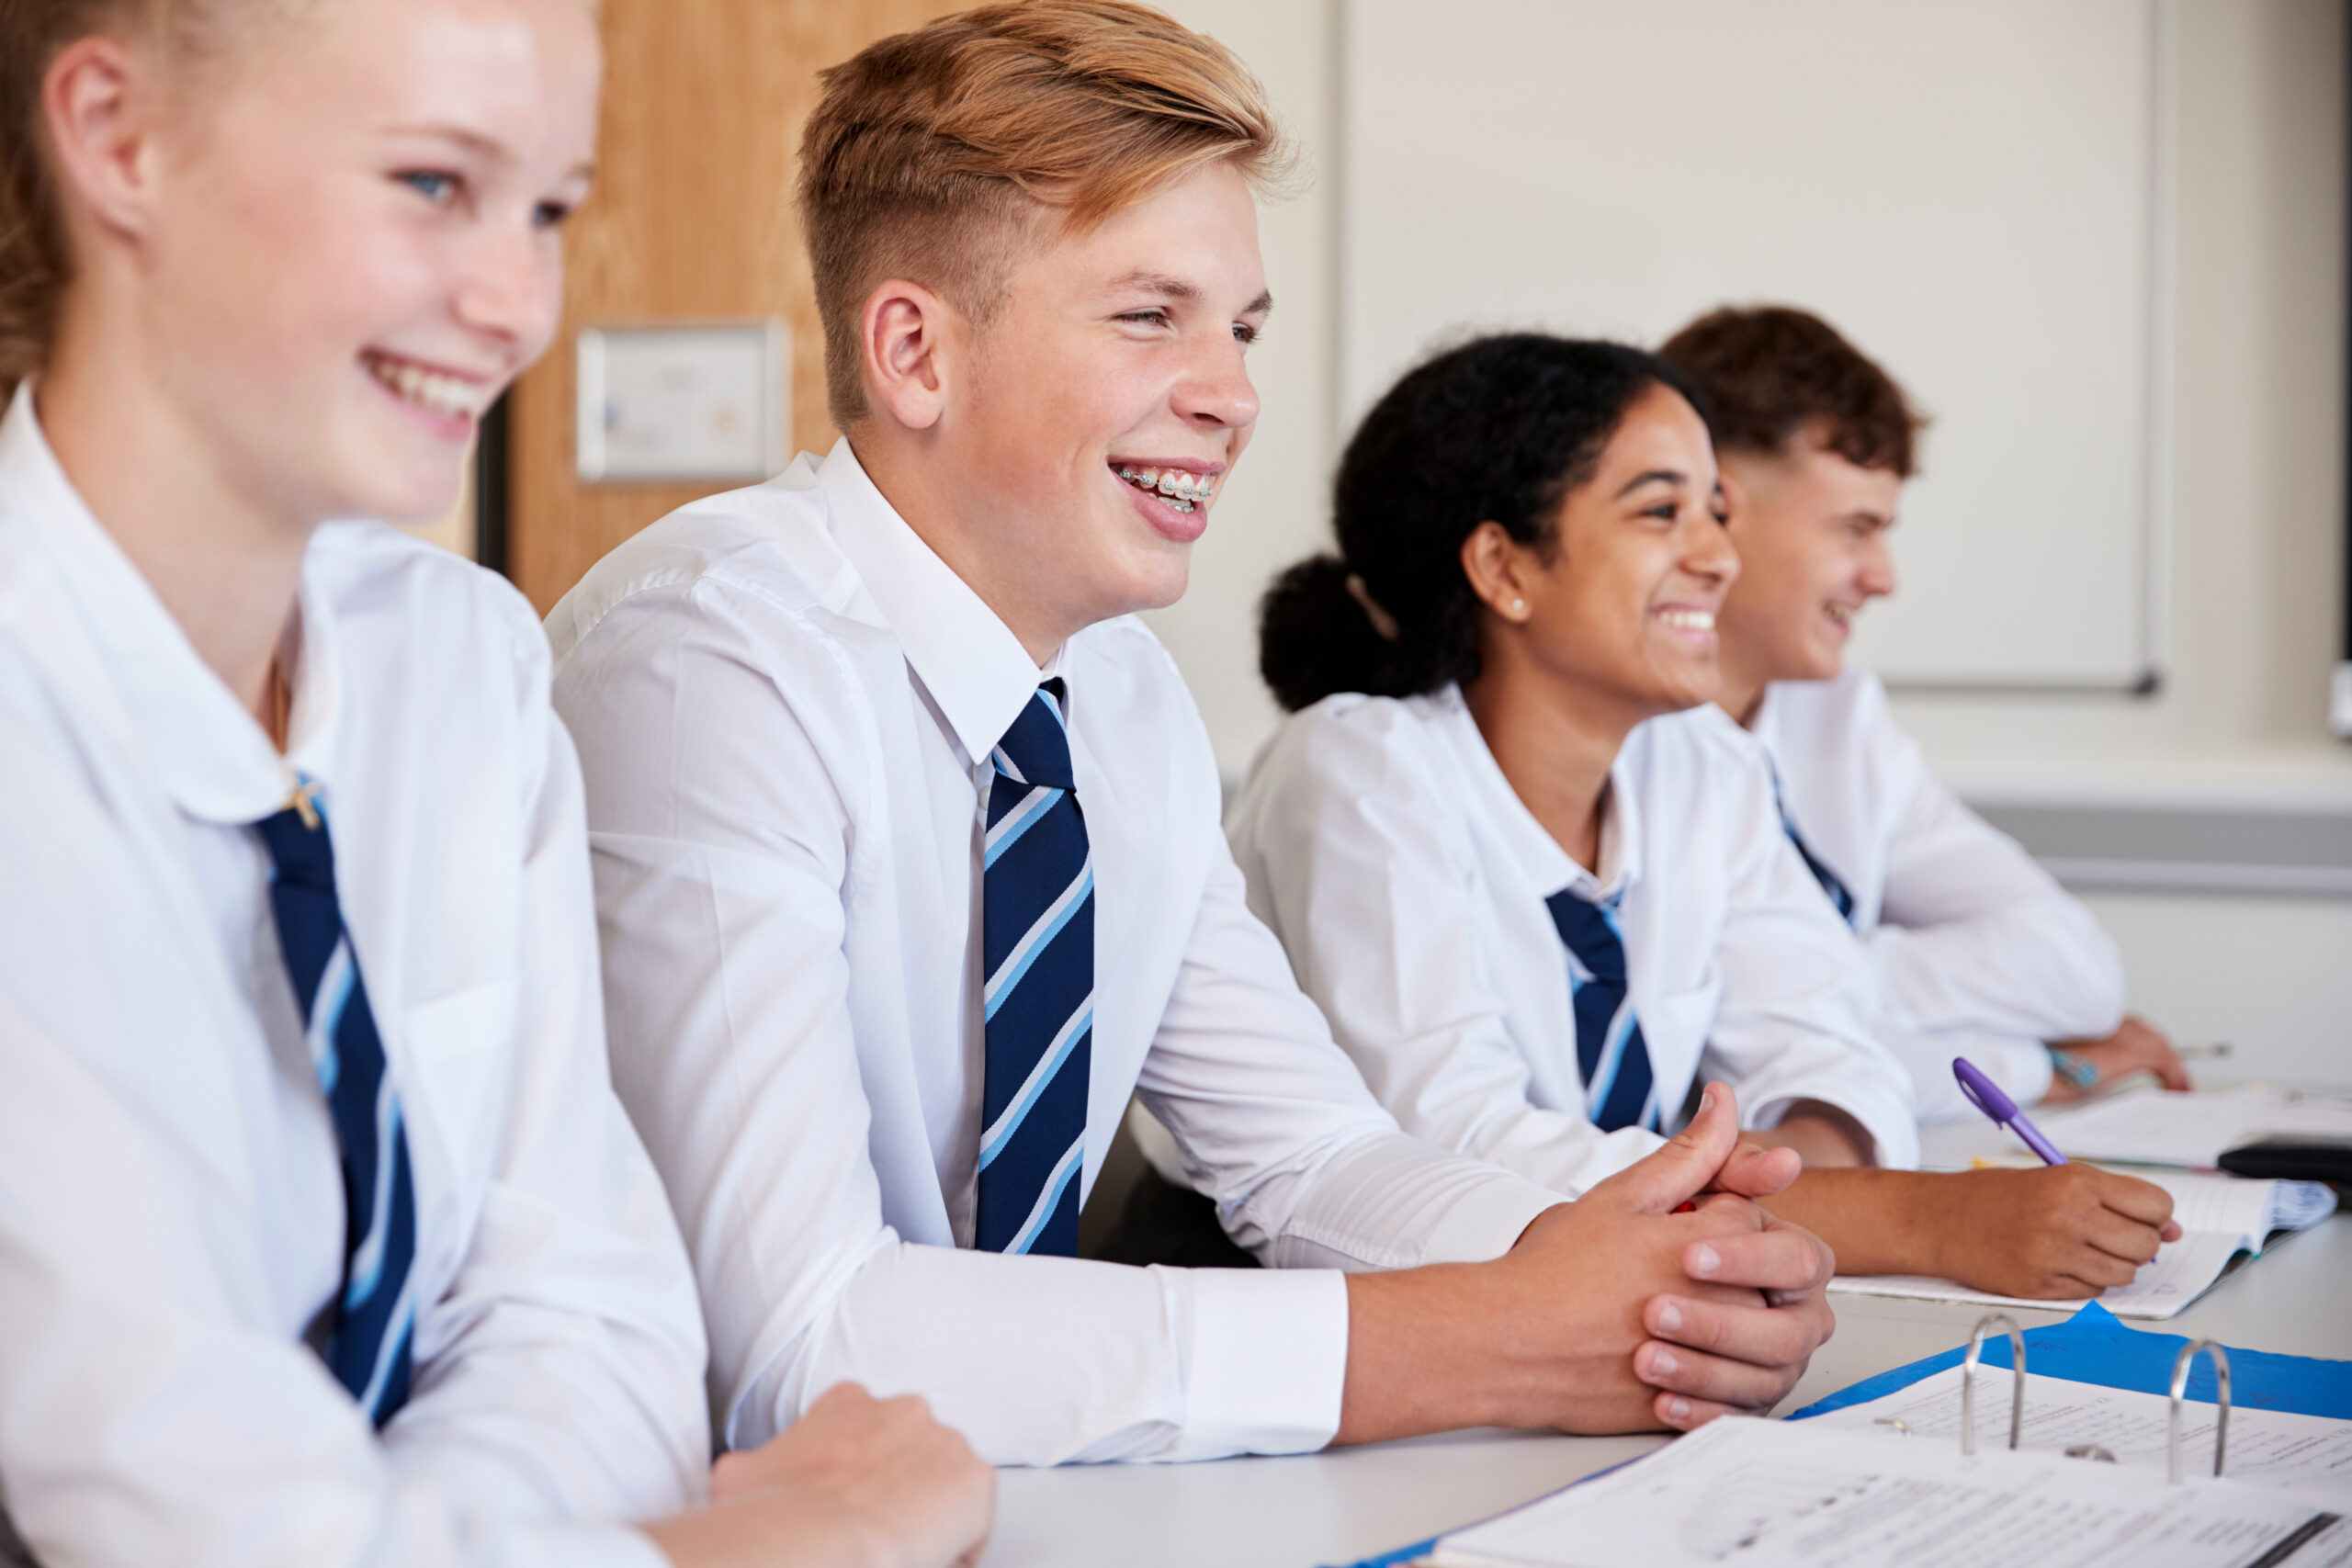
(1171,288)
(1654,475)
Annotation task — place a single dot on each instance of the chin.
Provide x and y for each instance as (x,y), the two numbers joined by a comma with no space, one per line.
(1154,581)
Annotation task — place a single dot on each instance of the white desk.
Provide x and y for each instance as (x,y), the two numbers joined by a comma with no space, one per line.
(1341,1506)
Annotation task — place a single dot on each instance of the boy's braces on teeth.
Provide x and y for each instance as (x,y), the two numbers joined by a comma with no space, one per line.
(1175,486)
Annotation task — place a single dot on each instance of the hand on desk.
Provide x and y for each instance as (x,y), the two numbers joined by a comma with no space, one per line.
(857,1483)
(2138,1047)
(2060,1232)
(1613,1314)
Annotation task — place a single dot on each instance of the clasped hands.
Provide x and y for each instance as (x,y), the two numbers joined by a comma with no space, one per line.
(1635,1315)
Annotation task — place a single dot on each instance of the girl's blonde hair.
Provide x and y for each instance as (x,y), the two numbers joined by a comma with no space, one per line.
(36,254)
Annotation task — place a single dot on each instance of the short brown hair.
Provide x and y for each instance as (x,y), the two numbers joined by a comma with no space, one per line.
(1771,373)
(934,153)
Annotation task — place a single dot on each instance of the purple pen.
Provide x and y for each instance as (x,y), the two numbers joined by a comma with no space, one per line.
(1987,1096)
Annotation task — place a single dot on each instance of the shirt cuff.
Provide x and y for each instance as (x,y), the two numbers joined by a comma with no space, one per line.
(1269,1360)
(2023,1070)
(1488,1221)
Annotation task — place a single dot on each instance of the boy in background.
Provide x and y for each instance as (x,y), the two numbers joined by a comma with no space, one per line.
(1980,951)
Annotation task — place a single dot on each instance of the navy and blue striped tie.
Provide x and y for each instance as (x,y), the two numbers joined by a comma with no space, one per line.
(1841,898)
(1610,1052)
(368,1323)
(1037,947)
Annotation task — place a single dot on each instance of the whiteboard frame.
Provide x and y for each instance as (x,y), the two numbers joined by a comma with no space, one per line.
(2156,569)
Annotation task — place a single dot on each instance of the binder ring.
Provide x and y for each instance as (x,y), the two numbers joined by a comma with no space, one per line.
(2180,1365)
(1984,1326)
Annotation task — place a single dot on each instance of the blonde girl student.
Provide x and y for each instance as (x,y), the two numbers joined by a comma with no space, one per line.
(1536,896)
(323,1237)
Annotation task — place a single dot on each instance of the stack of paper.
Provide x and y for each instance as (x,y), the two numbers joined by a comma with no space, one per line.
(2221,1218)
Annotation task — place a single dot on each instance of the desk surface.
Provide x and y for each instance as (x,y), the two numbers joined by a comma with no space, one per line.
(1340,1506)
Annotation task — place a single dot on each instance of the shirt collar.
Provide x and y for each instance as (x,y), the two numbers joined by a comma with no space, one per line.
(975,669)
(1526,840)
(210,756)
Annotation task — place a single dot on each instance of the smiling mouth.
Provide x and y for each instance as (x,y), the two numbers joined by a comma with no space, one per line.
(436,391)
(1688,620)
(1180,487)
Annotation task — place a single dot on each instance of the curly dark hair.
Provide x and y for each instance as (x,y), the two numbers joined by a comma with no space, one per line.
(1500,429)
(1770,371)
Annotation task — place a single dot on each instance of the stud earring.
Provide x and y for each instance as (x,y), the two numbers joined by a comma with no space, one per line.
(1519,607)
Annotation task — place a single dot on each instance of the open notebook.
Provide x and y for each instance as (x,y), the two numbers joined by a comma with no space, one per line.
(2223,1219)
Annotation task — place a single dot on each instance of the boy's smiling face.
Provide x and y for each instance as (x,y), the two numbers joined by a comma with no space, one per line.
(1115,354)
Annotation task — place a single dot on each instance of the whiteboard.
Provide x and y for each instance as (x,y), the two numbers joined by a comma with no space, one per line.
(1978,193)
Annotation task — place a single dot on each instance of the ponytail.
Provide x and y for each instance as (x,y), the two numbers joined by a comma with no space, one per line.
(1498,430)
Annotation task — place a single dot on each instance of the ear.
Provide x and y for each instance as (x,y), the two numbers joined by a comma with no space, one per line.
(100,99)
(1501,572)
(912,342)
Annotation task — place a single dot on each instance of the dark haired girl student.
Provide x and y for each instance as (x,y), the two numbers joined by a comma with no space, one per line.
(1536,899)
(323,1237)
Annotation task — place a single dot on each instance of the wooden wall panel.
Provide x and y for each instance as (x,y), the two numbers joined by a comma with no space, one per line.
(691,216)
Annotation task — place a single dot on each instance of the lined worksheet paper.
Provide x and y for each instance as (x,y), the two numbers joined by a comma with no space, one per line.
(2269,1448)
(1799,1494)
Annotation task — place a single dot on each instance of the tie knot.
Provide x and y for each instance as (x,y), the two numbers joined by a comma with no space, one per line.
(1037,749)
(299,850)
(1591,933)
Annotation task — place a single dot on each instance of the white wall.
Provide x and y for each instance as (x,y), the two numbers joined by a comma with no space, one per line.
(1277,508)
(2258,531)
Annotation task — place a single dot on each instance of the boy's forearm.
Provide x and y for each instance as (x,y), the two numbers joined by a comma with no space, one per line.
(1414,1355)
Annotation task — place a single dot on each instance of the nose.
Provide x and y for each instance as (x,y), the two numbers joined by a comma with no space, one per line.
(512,292)
(1217,394)
(1708,553)
(1877,578)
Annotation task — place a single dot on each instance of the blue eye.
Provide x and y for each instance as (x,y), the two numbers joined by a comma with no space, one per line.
(435,185)
(1244,334)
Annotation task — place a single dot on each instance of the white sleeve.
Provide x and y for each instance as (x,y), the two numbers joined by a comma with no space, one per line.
(1974,935)
(721,856)
(146,1420)
(1276,1124)
(2021,1068)
(572,1349)
(1349,859)
(1797,998)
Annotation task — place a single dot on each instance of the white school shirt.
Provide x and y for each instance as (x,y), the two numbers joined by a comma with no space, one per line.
(1979,952)
(171,1199)
(785,704)
(1382,843)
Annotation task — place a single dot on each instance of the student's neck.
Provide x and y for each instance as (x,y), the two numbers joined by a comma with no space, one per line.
(1742,693)
(227,568)
(1556,742)
(922,492)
